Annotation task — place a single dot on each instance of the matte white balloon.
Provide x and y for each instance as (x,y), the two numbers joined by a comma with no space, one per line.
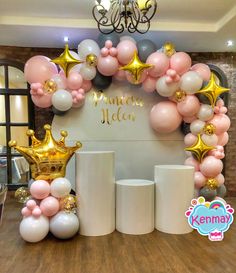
(59,81)
(166,89)
(60,187)
(87,47)
(62,100)
(205,112)
(197,126)
(191,82)
(88,72)
(64,225)
(34,229)
(210,140)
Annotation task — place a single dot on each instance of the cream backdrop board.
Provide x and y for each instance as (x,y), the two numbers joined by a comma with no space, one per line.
(137,147)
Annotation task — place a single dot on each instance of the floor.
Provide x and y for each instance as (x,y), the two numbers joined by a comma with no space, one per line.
(114,253)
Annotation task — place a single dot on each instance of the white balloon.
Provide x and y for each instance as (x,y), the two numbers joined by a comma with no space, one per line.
(62,100)
(87,47)
(191,82)
(59,81)
(74,54)
(60,187)
(127,37)
(34,229)
(205,112)
(88,72)
(210,140)
(64,225)
(197,126)
(166,89)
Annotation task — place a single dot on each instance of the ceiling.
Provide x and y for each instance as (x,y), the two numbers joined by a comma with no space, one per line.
(193,25)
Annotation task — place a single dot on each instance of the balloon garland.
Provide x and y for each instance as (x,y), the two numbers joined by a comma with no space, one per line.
(192,94)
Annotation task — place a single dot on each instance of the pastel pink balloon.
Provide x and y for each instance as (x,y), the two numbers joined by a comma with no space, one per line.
(49,206)
(164,117)
(180,62)
(104,52)
(221,122)
(86,85)
(130,78)
(126,49)
(31,204)
(189,119)
(221,179)
(43,101)
(40,189)
(199,180)
(211,166)
(108,44)
(74,80)
(223,139)
(39,69)
(190,139)
(189,106)
(160,64)
(36,211)
(190,161)
(149,85)
(26,212)
(203,70)
(107,66)
(120,75)
(113,52)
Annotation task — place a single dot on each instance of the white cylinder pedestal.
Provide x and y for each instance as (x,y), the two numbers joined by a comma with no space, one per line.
(135,206)
(174,192)
(95,187)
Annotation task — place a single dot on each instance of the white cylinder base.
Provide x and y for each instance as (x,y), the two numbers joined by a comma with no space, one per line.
(135,206)
(174,192)
(95,187)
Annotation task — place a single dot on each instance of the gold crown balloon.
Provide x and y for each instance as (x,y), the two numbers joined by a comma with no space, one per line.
(47,158)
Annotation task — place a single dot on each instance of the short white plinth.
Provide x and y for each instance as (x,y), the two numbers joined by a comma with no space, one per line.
(174,192)
(135,206)
(95,188)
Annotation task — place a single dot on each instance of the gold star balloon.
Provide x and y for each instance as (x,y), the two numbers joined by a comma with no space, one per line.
(66,60)
(135,67)
(212,91)
(169,49)
(200,148)
(47,158)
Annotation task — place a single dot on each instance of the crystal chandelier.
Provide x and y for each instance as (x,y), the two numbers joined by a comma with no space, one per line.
(118,15)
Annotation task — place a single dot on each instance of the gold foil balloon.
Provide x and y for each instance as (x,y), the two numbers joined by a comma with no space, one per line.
(212,183)
(199,149)
(212,91)
(91,59)
(66,60)
(47,158)
(68,203)
(169,49)
(50,86)
(179,95)
(135,67)
(209,129)
(22,194)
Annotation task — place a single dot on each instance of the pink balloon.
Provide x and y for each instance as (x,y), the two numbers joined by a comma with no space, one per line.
(164,117)
(31,204)
(86,85)
(104,52)
(223,139)
(49,206)
(40,189)
(108,44)
(39,69)
(189,106)
(113,52)
(189,119)
(149,85)
(74,80)
(211,167)
(107,66)
(36,211)
(221,179)
(120,75)
(203,70)
(199,180)
(180,62)
(26,212)
(43,101)
(160,64)
(190,139)
(126,49)
(221,122)
(130,78)
(190,161)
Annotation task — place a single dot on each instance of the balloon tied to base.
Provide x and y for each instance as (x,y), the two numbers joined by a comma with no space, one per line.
(48,204)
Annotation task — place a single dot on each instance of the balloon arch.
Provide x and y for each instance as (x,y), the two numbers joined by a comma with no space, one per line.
(192,94)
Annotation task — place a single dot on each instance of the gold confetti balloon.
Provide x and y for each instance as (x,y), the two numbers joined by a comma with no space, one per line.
(68,203)
(179,95)
(22,194)
(212,183)
(209,129)
(50,86)
(91,59)
(169,49)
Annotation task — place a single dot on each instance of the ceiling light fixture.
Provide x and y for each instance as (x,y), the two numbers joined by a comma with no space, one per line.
(66,39)
(230,43)
(118,15)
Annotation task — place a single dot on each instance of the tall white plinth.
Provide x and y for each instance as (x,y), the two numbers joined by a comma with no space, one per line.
(174,192)
(135,206)
(95,188)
